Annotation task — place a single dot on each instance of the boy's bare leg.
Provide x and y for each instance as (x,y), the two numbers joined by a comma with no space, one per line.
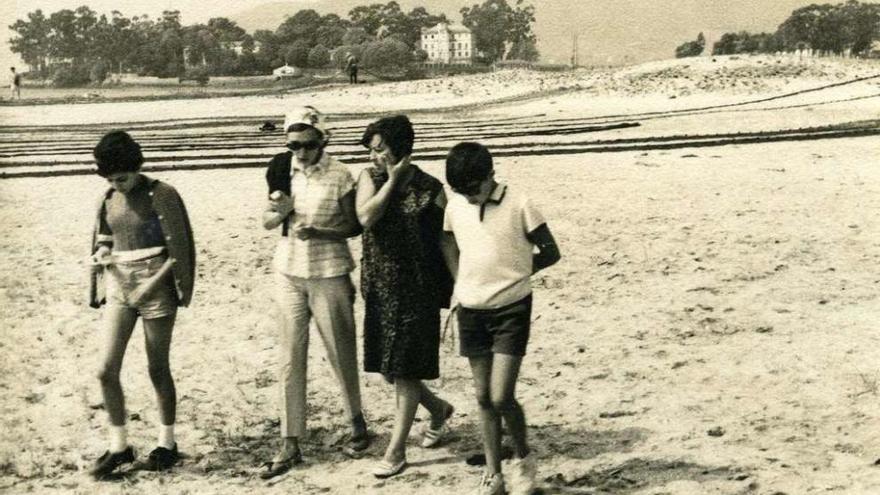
(505,371)
(490,420)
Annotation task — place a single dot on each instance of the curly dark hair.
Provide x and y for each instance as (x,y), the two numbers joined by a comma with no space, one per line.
(117,152)
(397,134)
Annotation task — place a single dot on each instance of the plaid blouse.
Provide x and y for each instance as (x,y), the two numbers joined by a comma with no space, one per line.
(316,193)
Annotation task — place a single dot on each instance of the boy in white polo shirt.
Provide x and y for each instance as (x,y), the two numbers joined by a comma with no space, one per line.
(494,232)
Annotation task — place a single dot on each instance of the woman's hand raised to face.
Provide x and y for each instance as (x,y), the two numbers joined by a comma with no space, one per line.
(396,171)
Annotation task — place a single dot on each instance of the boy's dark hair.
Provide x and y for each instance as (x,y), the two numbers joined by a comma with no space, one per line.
(467,163)
(397,134)
(117,152)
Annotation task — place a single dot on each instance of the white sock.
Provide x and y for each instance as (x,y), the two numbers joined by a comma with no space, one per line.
(166,436)
(118,439)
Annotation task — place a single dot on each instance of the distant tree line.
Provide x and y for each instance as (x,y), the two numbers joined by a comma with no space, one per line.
(848,28)
(502,32)
(78,46)
(691,48)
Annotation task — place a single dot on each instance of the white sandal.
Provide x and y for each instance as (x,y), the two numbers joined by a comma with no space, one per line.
(385,469)
(431,437)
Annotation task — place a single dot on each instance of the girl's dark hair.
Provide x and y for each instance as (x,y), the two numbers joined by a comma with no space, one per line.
(467,163)
(117,152)
(397,134)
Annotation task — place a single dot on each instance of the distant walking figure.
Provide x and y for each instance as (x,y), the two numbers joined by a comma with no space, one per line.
(351,66)
(14,84)
(143,264)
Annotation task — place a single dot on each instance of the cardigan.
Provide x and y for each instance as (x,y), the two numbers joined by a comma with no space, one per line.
(176,228)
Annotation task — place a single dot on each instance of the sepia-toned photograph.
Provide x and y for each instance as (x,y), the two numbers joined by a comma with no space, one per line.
(488,247)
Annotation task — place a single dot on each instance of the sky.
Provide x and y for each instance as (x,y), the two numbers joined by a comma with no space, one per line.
(608,31)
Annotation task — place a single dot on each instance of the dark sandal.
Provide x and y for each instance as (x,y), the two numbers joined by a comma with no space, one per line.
(356,446)
(274,469)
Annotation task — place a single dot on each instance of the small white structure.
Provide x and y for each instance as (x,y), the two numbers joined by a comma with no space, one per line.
(287,71)
(235,46)
(874,50)
(448,44)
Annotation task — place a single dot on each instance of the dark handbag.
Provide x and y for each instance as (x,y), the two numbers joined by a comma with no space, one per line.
(278,176)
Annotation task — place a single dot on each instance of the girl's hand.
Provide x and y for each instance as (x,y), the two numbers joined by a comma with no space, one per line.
(281,203)
(142,291)
(100,259)
(137,296)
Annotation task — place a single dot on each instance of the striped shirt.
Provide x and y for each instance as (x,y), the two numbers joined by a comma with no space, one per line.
(316,193)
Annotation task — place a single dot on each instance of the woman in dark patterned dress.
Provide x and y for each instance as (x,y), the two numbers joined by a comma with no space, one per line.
(404,281)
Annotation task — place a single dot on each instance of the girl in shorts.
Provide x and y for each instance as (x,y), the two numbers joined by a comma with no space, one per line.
(143,264)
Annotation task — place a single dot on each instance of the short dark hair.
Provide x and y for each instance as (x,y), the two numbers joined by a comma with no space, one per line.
(397,133)
(467,163)
(117,152)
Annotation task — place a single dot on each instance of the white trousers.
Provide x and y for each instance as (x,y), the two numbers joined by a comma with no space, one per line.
(330,302)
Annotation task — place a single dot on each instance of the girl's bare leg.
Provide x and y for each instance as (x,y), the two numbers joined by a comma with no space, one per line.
(157,337)
(119,323)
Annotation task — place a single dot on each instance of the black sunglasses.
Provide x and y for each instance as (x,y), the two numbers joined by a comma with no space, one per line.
(303,145)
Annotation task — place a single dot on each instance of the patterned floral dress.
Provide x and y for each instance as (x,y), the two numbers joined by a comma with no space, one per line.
(401,283)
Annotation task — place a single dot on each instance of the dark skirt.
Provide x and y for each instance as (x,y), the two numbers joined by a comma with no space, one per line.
(400,341)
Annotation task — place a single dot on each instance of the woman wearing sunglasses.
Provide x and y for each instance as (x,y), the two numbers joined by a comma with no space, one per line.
(311,196)
(404,281)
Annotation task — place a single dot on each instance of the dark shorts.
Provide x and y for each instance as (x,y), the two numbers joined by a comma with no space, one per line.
(503,330)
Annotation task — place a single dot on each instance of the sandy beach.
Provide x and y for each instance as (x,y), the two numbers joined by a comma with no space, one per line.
(711,328)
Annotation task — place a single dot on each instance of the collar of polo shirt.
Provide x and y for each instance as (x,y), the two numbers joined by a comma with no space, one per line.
(318,166)
(497,193)
(495,197)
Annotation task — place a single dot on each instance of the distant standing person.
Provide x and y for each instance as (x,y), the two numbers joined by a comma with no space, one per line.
(142,250)
(351,66)
(403,278)
(496,231)
(312,197)
(14,84)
